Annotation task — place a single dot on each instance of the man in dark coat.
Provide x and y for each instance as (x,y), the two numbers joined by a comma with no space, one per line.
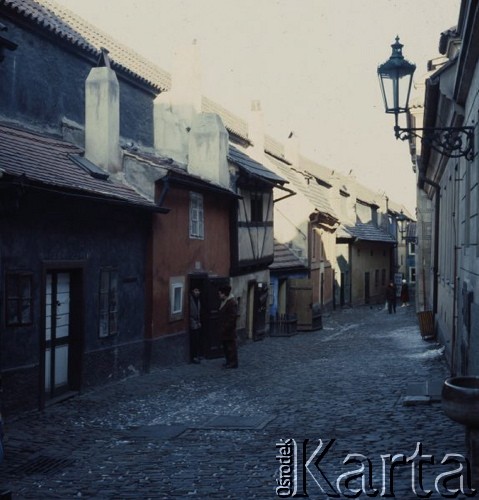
(195,325)
(391,297)
(227,326)
(404,294)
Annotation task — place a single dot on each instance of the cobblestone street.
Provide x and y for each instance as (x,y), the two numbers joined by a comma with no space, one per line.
(199,431)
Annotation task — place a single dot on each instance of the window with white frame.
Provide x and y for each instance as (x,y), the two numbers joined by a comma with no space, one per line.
(412,248)
(412,275)
(197,226)
(177,286)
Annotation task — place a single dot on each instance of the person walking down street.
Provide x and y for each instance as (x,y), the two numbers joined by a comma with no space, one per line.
(404,294)
(391,297)
(227,326)
(195,326)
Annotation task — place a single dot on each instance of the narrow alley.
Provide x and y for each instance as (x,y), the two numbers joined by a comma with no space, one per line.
(198,431)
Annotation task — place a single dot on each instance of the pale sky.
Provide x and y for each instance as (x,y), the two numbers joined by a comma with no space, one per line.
(311,63)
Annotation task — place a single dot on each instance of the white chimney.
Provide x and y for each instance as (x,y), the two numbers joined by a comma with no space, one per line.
(256,131)
(291,149)
(175,110)
(186,82)
(169,132)
(208,149)
(102,118)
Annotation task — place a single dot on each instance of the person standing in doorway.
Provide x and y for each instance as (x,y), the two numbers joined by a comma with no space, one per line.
(404,294)
(391,297)
(195,325)
(227,326)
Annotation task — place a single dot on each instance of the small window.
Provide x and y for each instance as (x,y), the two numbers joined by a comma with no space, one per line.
(376,278)
(196,216)
(412,248)
(19,299)
(108,303)
(177,296)
(177,286)
(256,206)
(383,277)
(412,275)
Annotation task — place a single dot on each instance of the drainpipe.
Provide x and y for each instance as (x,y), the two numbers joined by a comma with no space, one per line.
(423,180)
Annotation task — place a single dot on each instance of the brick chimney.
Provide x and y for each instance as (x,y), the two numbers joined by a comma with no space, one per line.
(102,116)
(175,110)
(256,131)
(208,149)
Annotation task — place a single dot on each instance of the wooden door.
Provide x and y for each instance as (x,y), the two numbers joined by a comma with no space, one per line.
(300,302)
(260,310)
(367,293)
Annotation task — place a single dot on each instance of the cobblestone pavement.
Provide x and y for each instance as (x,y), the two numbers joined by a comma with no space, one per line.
(205,432)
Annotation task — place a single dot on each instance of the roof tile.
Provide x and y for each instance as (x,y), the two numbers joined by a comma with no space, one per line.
(367,232)
(285,258)
(252,166)
(48,161)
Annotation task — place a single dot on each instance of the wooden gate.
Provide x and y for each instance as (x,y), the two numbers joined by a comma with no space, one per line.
(300,302)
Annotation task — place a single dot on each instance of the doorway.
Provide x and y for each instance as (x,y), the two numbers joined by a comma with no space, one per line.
(256,310)
(211,345)
(62,333)
(367,293)
(300,300)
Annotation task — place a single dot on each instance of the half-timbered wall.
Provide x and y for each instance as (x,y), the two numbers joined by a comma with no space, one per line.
(255,227)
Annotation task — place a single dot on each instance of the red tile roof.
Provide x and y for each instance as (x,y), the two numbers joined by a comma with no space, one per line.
(47,161)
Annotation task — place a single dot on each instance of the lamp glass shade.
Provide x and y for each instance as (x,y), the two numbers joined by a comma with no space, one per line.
(401,217)
(395,78)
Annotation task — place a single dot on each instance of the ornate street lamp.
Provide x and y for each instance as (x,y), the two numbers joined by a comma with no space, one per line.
(401,219)
(395,78)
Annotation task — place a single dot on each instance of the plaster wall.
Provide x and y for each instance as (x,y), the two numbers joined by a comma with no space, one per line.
(425,214)
(467,346)
(291,220)
(179,255)
(369,257)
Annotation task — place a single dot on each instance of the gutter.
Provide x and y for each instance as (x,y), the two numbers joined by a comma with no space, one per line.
(202,185)
(277,185)
(24,182)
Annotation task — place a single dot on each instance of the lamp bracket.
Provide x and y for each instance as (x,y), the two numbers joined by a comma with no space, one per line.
(453,142)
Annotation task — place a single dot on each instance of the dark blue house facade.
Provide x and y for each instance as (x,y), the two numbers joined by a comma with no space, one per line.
(73,240)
